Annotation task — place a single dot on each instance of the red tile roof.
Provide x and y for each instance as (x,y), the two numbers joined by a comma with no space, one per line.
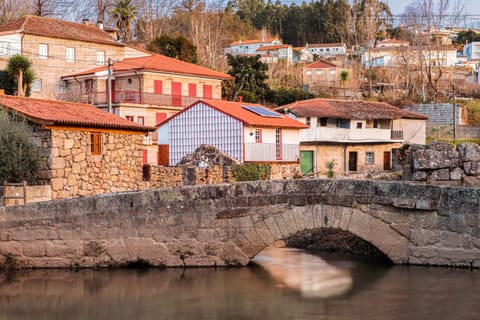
(275,47)
(320,64)
(242,42)
(54,28)
(235,110)
(349,109)
(158,63)
(67,114)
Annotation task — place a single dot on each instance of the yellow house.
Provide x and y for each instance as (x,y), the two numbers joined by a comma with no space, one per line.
(146,90)
(58,47)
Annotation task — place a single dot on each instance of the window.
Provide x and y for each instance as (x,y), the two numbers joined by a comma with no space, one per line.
(131,118)
(101,57)
(359,125)
(333,71)
(278,144)
(70,54)
(309,72)
(43,51)
(37,85)
(4,48)
(319,72)
(62,88)
(141,120)
(343,123)
(322,122)
(258,135)
(307,121)
(369,157)
(95,143)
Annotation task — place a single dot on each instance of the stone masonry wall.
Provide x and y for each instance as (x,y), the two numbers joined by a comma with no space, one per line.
(74,171)
(228,224)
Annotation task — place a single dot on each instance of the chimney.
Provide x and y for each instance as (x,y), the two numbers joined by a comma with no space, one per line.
(100,24)
(85,21)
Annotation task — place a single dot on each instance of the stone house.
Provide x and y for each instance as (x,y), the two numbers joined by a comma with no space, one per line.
(147,90)
(357,136)
(246,132)
(84,150)
(322,75)
(58,47)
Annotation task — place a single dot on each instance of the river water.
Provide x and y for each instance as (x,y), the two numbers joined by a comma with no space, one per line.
(283,284)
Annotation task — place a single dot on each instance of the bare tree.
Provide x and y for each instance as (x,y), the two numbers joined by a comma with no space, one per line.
(153,18)
(12,9)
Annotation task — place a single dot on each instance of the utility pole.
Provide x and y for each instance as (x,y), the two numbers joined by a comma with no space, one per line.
(454,116)
(109,85)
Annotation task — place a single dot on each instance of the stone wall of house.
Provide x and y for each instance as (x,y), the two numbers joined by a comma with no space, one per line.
(74,171)
(285,171)
(442,162)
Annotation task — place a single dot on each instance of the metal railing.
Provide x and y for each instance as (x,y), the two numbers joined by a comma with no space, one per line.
(136,97)
(397,135)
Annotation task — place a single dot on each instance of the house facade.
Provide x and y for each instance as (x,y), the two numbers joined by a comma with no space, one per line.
(84,150)
(357,136)
(276,53)
(249,47)
(471,50)
(58,47)
(146,90)
(327,49)
(246,132)
(321,75)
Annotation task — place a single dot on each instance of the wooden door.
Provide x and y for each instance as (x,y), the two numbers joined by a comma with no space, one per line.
(386,160)
(163,159)
(352,161)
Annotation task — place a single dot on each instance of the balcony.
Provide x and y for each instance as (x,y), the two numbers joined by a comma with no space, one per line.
(136,97)
(271,152)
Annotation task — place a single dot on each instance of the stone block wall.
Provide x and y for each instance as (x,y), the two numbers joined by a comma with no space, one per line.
(442,162)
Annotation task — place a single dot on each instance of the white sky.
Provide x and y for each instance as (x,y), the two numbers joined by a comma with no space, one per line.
(398,6)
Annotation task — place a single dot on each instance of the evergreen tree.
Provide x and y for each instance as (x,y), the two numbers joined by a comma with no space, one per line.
(250,76)
(124,13)
(175,47)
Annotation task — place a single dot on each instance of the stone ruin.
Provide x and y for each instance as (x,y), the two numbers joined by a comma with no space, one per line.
(441,162)
(205,165)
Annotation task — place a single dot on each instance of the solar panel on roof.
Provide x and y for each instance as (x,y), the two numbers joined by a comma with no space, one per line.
(262,111)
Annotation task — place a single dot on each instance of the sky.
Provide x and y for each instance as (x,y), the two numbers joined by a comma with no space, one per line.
(398,6)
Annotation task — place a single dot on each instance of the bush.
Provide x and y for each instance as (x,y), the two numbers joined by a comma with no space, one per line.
(251,171)
(18,153)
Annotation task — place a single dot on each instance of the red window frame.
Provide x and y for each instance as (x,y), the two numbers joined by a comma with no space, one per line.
(258,135)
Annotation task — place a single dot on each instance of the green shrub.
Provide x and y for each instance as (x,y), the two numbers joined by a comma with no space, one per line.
(251,171)
(18,153)
(330,165)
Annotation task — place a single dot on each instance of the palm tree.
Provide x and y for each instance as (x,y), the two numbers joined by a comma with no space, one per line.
(20,69)
(343,79)
(124,13)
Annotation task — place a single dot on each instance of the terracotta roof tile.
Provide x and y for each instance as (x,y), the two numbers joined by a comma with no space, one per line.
(68,114)
(242,42)
(276,47)
(55,28)
(349,109)
(235,110)
(158,63)
(320,64)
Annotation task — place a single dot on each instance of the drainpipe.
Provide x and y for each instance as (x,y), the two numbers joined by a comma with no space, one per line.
(345,158)
(109,85)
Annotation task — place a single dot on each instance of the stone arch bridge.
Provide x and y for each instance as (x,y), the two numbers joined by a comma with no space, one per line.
(221,225)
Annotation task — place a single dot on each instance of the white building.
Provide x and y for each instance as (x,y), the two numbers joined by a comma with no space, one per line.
(249,47)
(246,132)
(327,49)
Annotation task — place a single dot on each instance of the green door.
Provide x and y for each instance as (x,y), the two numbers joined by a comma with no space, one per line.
(306,162)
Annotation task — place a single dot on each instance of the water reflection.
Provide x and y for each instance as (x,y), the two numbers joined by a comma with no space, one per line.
(237,294)
(311,275)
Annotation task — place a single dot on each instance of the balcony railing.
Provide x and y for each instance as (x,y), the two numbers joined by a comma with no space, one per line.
(271,152)
(397,135)
(136,97)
